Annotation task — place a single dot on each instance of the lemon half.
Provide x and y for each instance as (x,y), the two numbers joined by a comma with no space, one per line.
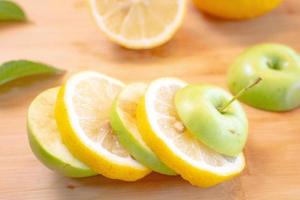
(139,24)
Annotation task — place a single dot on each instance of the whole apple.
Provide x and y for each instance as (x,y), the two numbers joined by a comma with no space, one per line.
(279,68)
(207,113)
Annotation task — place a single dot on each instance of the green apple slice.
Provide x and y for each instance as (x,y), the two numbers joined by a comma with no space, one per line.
(200,109)
(123,121)
(279,68)
(45,140)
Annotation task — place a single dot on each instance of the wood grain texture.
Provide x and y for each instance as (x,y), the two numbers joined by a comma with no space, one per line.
(63,34)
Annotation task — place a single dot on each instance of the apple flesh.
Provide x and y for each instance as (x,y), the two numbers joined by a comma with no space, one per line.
(199,108)
(279,68)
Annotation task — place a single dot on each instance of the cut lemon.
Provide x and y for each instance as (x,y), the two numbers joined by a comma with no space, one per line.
(165,134)
(82,114)
(45,140)
(123,121)
(139,24)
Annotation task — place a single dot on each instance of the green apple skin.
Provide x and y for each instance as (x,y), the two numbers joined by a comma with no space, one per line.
(198,106)
(279,68)
(134,147)
(53,163)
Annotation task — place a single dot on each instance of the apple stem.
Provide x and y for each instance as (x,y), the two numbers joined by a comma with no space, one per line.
(242,91)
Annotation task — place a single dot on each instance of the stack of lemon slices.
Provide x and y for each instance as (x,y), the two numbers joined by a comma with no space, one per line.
(94,124)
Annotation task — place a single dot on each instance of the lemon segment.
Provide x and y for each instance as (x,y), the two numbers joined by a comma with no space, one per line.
(165,134)
(123,121)
(45,140)
(139,24)
(82,114)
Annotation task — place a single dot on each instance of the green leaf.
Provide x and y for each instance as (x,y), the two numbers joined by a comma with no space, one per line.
(13,70)
(10,11)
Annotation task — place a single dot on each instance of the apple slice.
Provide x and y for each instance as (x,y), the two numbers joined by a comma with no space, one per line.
(124,122)
(45,140)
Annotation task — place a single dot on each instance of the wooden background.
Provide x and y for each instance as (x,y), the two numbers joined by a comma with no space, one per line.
(63,33)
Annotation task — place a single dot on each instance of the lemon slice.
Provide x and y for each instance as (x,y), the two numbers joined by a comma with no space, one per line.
(165,134)
(45,140)
(82,114)
(123,121)
(139,24)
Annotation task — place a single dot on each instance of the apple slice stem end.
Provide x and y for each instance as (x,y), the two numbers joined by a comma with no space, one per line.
(242,91)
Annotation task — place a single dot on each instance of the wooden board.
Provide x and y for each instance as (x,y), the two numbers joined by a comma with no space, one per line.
(62,33)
